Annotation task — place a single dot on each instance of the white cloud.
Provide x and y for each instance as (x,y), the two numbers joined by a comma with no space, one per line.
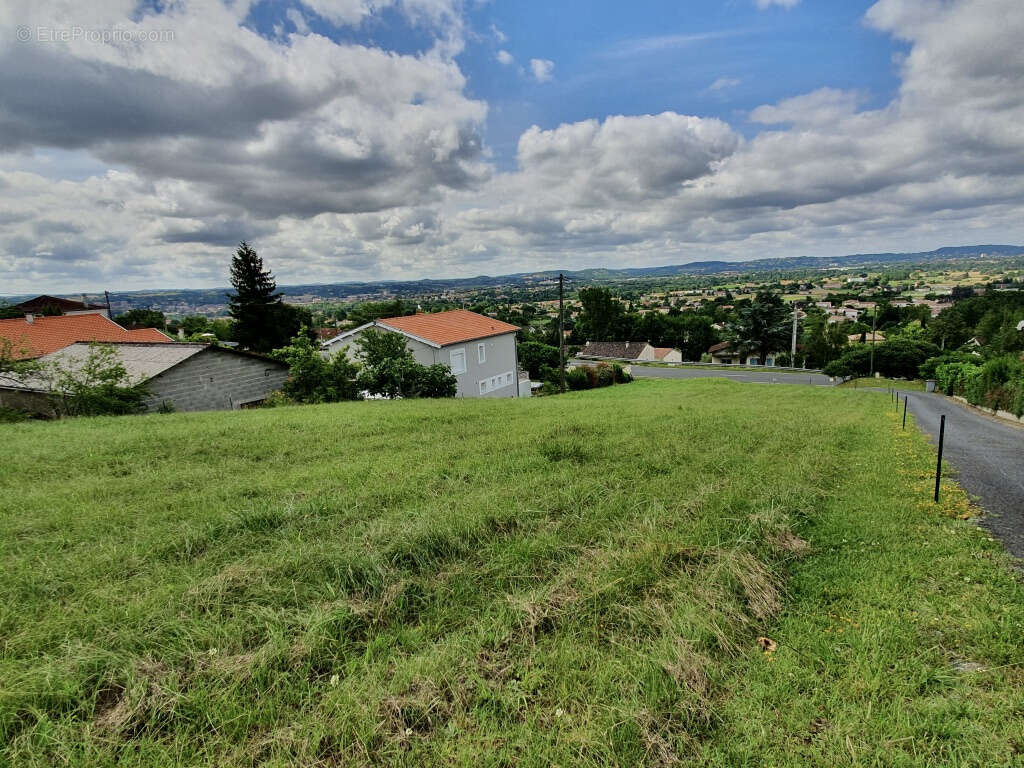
(821,107)
(763,4)
(294,15)
(724,83)
(350,162)
(504,57)
(542,69)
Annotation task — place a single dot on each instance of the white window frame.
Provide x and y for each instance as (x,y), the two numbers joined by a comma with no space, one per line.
(481,353)
(483,386)
(461,352)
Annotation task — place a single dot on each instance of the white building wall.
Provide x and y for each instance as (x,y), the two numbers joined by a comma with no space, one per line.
(497,367)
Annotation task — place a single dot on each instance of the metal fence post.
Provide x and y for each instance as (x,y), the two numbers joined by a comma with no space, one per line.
(905,398)
(938,466)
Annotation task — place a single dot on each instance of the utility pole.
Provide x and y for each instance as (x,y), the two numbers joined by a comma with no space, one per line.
(874,318)
(561,330)
(792,346)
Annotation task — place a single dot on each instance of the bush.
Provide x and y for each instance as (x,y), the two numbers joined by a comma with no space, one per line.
(927,369)
(604,375)
(898,359)
(535,357)
(97,385)
(435,381)
(621,376)
(577,379)
(953,378)
(314,379)
(278,399)
(390,370)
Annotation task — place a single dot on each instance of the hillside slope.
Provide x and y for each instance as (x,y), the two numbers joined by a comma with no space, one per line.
(578,580)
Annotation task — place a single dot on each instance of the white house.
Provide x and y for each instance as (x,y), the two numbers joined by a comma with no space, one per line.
(725,354)
(479,350)
(661,354)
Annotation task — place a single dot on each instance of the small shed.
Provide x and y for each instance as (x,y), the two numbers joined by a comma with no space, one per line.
(185,376)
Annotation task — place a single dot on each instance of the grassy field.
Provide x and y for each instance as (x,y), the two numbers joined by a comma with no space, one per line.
(693,573)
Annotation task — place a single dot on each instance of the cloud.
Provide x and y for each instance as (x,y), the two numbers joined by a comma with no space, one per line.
(504,57)
(763,4)
(542,69)
(821,107)
(645,46)
(346,161)
(294,128)
(724,83)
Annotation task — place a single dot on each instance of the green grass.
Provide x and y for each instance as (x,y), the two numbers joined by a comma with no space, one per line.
(902,385)
(572,580)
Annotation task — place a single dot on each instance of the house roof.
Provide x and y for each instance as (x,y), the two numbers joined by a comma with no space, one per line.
(720,346)
(142,361)
(48,334)
(661,352)
(444,328)
(855,337)
(39,303)
(625,350)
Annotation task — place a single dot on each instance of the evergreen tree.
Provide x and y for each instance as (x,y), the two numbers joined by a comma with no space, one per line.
(762,326)
(261,318)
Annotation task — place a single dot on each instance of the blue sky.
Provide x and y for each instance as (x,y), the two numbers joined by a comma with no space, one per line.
(391,139)
(637,58)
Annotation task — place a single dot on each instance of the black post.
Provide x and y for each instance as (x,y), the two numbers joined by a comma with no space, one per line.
(561,331)
(905,398)
(938,466)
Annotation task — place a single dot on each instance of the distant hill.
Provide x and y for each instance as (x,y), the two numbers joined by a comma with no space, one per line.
(168,299)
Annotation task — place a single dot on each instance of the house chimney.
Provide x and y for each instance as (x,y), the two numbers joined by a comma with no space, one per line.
(30,318)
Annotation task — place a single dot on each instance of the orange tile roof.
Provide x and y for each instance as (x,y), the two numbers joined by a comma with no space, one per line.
(48,334)
(445,328)
(660,352)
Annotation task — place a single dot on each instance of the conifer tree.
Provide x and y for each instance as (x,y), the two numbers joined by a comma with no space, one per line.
(261,318)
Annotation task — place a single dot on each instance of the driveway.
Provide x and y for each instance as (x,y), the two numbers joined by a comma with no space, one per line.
(988,456)
(753,377)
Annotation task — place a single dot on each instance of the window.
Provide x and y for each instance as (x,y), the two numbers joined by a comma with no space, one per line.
(483,387)
(481,353)
(457,361)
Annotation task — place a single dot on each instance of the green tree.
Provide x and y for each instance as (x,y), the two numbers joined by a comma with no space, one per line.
(314,379)
(262,321)
(390,370)
(534,357)
(601,316)
(763,326)
(142,318)
(95,385)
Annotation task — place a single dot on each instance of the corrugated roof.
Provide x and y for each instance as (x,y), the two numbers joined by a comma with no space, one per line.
(624,350)
(443,328)
(142,361)
(48,334)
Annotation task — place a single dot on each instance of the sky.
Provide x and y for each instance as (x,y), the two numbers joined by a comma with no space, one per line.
(400,139)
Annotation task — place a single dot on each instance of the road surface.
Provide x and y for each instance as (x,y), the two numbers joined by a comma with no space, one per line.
(753,377)
(988,455)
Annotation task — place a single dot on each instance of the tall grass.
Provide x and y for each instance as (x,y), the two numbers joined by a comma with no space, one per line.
(579,580)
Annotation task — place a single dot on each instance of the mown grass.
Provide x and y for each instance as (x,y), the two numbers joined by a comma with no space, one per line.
(576,580)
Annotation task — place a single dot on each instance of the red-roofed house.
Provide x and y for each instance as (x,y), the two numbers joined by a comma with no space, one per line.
(479,350)
(32,336)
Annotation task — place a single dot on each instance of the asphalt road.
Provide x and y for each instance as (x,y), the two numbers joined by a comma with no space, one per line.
(752,377)
(988,456)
